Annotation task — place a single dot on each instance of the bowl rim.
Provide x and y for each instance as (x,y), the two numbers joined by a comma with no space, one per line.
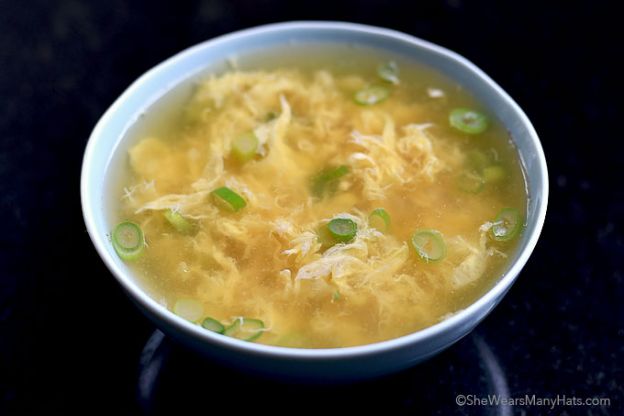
(459,318)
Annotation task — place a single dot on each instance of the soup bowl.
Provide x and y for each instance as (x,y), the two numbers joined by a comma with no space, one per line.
(349,363)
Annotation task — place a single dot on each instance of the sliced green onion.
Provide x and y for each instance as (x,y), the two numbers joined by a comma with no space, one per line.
(326,181)
(470,182)
(178,222)
(477,160)
(342,229)
(336,296)
(379,219)
(429,244)
(246,329)
(506,225)
(371,95)
(245,147)
(494,173)
(468,121)
(227,199)
(189,309)
(128,240)
(389,72)
(213,325)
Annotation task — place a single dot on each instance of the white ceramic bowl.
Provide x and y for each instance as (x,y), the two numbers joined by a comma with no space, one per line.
(311,364)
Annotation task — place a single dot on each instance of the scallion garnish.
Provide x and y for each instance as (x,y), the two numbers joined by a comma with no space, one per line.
(245,147)
(371,95)
(128,240)
(342,230)
(213,325)
(326,181)
(177,220)
(494,173)
(429,244)
(477,160)
(389,72)
(227,199)
(468,121)
(247,329)
(506,225)
(469,181)
(189,309)
(379,219)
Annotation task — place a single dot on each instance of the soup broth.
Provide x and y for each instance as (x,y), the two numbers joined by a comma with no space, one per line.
(330,198)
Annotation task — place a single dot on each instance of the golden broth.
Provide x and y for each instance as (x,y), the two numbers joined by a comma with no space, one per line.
(266,261)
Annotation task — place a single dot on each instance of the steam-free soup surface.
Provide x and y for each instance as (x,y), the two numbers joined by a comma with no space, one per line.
(321,202)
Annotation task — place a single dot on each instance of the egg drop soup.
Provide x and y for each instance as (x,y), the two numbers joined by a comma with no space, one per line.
(322,199)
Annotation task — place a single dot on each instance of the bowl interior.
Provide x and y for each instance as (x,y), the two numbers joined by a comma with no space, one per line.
(103,156)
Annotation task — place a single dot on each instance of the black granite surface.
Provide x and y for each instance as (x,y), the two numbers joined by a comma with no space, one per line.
(70,341)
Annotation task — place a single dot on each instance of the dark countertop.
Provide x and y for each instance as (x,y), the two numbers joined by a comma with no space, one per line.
(70,341)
